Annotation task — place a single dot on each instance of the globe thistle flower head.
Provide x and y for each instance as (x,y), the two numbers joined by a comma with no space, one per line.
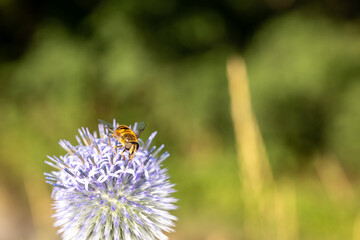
(100,194)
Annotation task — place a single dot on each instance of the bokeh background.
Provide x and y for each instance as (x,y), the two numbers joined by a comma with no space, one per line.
(64,64)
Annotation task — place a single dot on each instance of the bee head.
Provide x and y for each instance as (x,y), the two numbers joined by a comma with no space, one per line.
(128,145)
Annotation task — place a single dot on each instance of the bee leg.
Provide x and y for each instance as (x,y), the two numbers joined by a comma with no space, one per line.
(115,148)
(131,153)
(131,156)
(118,147)
(122,154)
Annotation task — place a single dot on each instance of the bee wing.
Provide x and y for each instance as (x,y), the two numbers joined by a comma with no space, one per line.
(140,126)
(106,124)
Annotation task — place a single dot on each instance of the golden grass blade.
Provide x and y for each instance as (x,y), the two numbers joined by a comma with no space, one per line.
(286,212)
(268,213)
(250,147)
(356,229)
(334,179)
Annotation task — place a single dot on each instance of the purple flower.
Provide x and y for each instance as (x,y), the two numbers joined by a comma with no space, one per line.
(99,194)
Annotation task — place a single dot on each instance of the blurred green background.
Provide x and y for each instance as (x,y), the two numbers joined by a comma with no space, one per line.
(64,64)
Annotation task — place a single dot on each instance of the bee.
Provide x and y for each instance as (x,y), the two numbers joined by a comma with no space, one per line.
(126,137)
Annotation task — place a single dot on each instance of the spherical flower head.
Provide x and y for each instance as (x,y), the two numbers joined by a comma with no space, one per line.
(100,194)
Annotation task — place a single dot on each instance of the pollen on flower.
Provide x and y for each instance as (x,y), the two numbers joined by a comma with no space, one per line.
(100,194)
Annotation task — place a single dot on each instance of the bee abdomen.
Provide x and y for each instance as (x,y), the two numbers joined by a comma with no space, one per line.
(130,137)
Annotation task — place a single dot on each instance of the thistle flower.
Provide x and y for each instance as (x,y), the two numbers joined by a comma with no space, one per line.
(99,194)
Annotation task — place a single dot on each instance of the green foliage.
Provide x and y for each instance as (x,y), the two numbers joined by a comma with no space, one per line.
(303,69)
